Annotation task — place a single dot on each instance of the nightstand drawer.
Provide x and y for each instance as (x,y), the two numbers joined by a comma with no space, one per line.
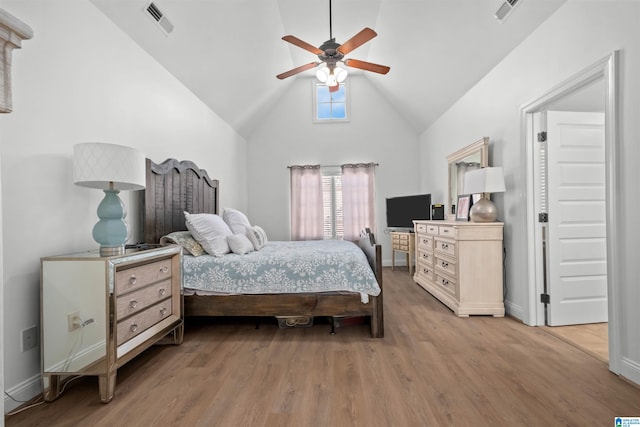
(138,323)
(136,301)
(401,246)
(134,278)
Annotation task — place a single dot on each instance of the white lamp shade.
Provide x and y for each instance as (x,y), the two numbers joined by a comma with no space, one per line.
(485,180)
(97,164)
(323,74)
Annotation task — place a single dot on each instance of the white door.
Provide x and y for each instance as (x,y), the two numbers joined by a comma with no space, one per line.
(576,245)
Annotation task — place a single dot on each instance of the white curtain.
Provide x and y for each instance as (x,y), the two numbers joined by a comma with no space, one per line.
(358,198)
(306,203)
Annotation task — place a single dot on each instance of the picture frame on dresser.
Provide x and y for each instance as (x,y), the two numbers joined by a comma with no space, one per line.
(464,205)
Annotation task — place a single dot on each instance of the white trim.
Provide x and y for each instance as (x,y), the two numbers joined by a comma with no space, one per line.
(605,68)
(24,392)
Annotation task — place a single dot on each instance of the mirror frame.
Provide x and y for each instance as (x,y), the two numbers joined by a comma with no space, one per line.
(481,146)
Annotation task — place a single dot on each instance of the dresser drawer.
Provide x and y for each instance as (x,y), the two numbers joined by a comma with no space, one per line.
(425,271)
(425,242)
(446,284)
(432,229)
(451,232)
(420,228)
(138,323)
(445,266)
(445,246)
(425,257)
(134,278)
(136,301)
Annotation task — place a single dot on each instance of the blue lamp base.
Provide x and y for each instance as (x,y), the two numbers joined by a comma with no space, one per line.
(111,231)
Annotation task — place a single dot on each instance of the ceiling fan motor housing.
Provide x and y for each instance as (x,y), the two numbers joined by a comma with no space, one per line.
(330,54)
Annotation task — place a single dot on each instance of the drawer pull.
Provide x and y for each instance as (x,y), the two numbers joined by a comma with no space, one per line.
(133,279)
(425,256)
(425,241)
(133,327)
(425,271)
(162,291)
(445,264)
(133,303)
(445,282)
(163,311)
(164,269)
(445,246)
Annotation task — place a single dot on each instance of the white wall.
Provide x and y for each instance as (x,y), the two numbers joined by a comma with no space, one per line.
(81,79)
(288,136)
(578,35)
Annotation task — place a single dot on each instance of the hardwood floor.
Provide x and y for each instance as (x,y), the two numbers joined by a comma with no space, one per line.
(430,369)
(591,338)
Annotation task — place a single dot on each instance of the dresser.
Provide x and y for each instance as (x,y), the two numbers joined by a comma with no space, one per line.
(403,241)
(97,313)
(460,263)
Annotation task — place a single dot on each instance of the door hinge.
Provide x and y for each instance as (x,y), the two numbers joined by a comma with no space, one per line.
(542,136)
(545,299)
(543,217)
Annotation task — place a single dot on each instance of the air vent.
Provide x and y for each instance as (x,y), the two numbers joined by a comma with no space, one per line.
(158,17)
(505,9)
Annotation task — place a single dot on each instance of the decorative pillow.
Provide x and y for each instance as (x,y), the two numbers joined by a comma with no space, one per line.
(258,238)
(210,231)
(184,239)
(263,233)
(236,220)
(240,244)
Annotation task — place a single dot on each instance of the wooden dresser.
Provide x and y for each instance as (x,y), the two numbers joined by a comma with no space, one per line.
(100,312)
(403,241)
(460,263)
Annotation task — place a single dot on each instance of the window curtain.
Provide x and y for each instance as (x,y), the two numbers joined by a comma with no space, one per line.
(306,203)
(358,199)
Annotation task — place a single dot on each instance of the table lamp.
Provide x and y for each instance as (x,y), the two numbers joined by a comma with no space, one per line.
(111,168)
(484,181)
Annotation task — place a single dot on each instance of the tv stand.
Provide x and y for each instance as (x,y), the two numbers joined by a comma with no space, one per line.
(403,241)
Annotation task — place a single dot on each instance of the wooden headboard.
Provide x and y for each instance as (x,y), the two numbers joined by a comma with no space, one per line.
(173,187)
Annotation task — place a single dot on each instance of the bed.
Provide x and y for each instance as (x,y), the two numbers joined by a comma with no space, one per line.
(173,187)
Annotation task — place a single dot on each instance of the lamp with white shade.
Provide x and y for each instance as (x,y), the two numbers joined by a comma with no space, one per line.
(111,168)
(484,181)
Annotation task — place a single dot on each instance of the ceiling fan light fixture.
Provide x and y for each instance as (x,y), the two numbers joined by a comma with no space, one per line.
(323,74)
(341,74)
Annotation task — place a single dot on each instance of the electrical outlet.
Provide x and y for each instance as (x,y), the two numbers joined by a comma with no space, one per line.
(29,338)
(73,321)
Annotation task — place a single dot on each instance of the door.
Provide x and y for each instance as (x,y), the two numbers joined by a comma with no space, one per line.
(576,241)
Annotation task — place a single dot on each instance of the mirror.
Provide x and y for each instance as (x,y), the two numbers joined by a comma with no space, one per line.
(471,157)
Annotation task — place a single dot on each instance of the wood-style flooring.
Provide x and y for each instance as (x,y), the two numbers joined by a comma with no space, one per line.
(591,338)
(430,369)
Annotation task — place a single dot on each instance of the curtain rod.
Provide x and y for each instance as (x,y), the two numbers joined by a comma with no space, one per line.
(331,166)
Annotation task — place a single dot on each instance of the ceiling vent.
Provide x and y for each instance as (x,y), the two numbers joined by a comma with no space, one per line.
(158,17)
(505,9)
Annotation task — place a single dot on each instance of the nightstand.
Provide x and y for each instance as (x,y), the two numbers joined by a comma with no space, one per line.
(403,242)
(97,313)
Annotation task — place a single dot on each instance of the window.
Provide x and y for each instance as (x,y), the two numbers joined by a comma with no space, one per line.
(332,203)
(330,106)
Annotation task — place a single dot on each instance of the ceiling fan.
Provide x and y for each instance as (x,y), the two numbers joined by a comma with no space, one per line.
(330,53)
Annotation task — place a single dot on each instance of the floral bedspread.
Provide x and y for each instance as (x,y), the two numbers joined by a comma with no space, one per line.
(284,267)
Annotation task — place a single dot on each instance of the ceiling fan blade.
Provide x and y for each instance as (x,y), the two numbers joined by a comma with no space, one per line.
(356,41)
(304,45)
(367,66)
(297,70)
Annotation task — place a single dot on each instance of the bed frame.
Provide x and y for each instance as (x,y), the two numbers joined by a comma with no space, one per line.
(173,187)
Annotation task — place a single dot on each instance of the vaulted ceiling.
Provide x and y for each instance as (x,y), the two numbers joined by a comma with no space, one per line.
(228,52)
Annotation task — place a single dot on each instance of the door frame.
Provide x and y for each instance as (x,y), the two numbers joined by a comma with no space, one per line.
(607,69)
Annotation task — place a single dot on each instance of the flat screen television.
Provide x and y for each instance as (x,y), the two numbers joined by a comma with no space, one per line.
(401,211)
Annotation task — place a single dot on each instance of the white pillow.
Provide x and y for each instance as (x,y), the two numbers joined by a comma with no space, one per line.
(240,244)
(210,231)
(257,236)
(236,220)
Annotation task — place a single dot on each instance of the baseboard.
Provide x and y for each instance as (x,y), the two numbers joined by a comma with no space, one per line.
(24,392)
(630,370)
(514,310)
